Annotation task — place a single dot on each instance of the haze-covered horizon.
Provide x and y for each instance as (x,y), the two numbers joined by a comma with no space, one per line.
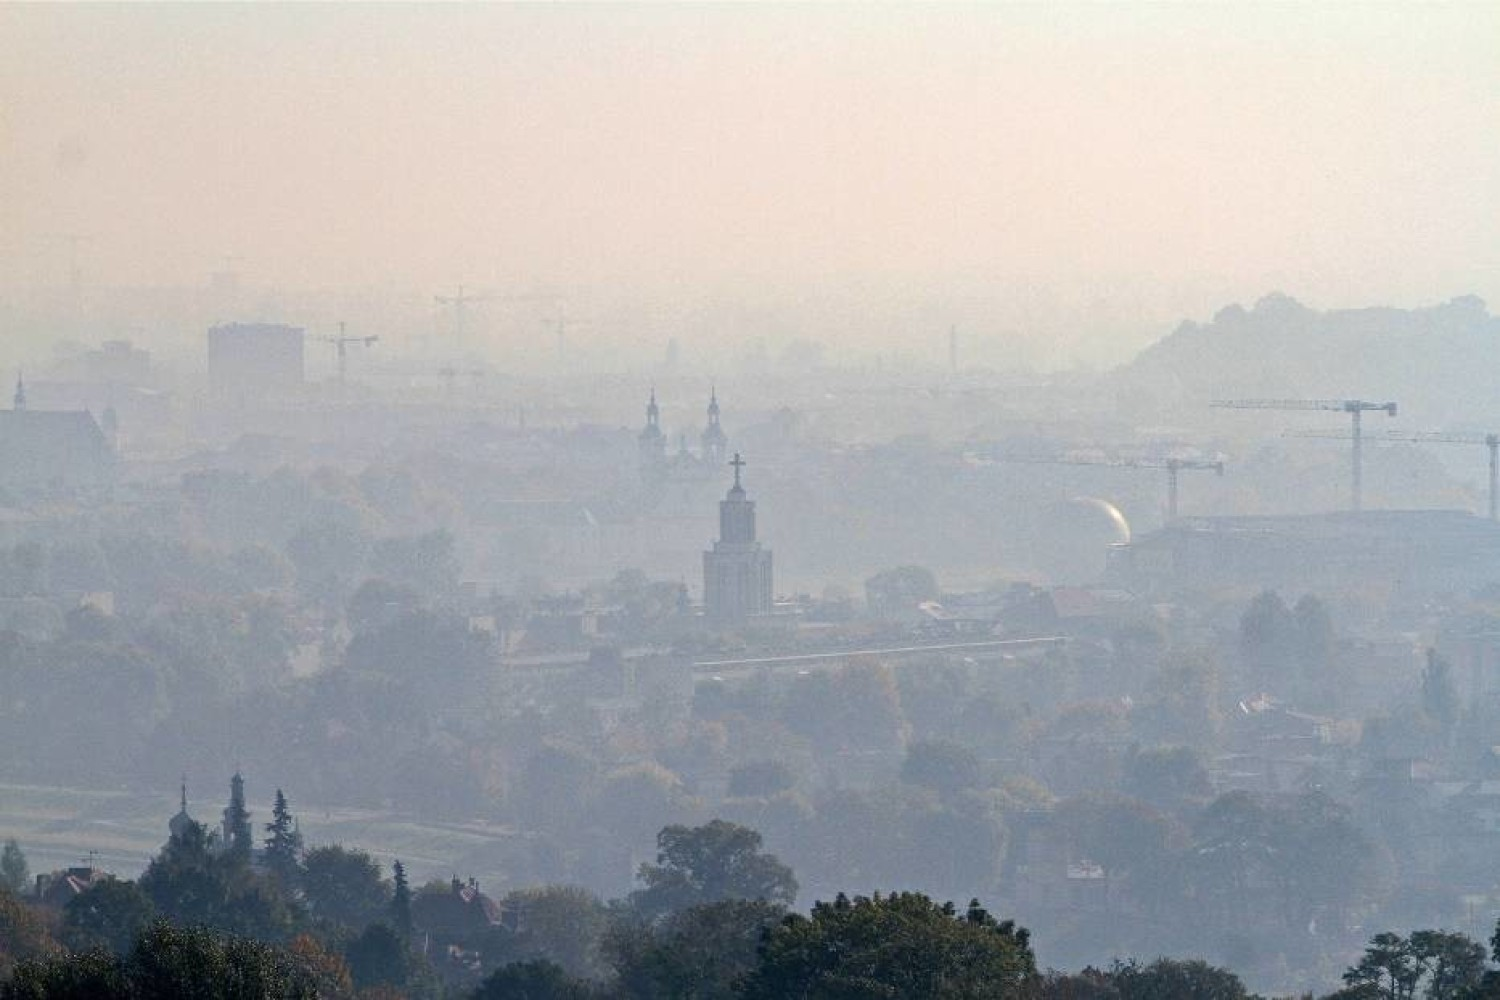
(1072,181)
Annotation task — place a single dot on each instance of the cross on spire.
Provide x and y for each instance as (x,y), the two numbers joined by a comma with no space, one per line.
(738,463)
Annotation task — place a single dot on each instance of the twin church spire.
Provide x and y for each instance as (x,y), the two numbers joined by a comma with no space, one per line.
(713,442)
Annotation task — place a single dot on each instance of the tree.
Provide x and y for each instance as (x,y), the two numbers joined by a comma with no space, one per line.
(1439,698)
(696,954)
(1430,965)
(1314,636)
(283,842)
(1121,834)
(633,802)
(1268,638)
(400,901)
(705,864)
(428,561)
(895,593)
(1163,979)
(90,975)
(856,708)
(379,602)
(534,980)
(14,874)
(903,947)
(1452,964)
(191,882)
(942,766)
(22,934)
(760,779)
(378,957)
(1168,979)
(1387,970)
(167,961)
(109,914)
(1169,778)
(327,970)
(562,924)
(343,886)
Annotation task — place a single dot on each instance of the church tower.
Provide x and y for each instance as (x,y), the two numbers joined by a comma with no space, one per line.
(737,571)
(714,442)
(179,825)
(652,443)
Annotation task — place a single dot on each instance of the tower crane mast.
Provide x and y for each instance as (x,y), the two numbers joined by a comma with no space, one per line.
(1491,443)
(1356,408)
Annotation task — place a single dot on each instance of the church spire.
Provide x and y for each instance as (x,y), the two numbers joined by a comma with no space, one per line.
(714,441)
(652,443)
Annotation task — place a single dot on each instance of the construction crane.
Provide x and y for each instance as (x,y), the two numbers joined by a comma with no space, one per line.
(460,304)
(341,344)
(1356,408)
(1491,443)
(1173,467)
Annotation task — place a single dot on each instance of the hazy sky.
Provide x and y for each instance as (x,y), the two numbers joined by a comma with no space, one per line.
(1157,159)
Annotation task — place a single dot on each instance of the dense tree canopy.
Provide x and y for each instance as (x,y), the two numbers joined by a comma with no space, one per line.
(903,946)
(710,863)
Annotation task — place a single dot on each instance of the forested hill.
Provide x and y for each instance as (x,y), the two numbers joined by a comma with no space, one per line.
(1440,363)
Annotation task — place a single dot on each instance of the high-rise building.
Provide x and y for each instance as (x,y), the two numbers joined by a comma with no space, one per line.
(737,571)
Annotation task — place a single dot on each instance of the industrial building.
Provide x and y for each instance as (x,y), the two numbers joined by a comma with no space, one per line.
(1400,552)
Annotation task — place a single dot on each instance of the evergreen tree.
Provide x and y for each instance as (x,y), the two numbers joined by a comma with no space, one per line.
(13,871)
(284,842)
(401,902)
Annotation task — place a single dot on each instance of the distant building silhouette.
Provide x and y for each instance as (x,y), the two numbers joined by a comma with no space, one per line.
(50,449)
(737,571)
(658,468)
